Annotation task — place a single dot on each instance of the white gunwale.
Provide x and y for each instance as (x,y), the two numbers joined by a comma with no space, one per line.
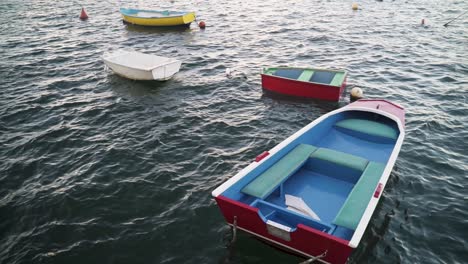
(115,55)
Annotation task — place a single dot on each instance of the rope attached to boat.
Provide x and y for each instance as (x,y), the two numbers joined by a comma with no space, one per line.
(446,24)
(317,258)
(234,230)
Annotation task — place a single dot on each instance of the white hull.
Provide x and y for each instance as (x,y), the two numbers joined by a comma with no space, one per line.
(140,66)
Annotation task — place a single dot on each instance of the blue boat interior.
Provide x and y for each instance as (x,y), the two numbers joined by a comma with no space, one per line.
(289,73)
(322,77)
(334,168)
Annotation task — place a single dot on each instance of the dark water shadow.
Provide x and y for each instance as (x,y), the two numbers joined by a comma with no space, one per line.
(373,235)
(153,30)
(250,249)
(124,86)
(378,227)
(228,257)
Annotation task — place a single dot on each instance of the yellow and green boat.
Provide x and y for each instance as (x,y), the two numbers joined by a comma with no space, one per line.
(157,18)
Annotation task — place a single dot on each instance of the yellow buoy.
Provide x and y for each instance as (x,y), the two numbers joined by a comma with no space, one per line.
(355,6)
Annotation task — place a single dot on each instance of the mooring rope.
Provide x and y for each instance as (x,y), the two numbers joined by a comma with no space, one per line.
(317,258)
(234,230)
(446,24)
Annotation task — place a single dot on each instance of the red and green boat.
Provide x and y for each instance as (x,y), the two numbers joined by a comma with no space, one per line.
(315,192)
(305,82)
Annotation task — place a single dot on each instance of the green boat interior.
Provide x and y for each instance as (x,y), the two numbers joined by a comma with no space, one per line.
(333,78)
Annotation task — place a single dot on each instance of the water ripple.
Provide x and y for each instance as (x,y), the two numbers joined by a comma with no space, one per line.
(96,168)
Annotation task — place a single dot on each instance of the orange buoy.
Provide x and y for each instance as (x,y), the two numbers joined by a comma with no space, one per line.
(83,15)
(202,24)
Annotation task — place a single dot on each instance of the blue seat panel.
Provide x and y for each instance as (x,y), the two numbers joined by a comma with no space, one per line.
(324,77)
(289,73)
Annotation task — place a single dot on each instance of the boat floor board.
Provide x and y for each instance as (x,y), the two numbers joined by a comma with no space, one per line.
(289,73)
(369,150)
(323,194)
(323,77)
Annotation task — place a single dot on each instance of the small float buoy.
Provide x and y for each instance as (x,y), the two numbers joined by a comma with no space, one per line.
(202,24)
(356,94)
(423,21)
(355,6)
(83,15)
(228,72)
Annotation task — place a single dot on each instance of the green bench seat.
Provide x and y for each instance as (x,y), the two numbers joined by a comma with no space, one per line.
(352,210)
(338,79)
(266,182)
(305,76)
(368,127)
(340,158)
(270,179)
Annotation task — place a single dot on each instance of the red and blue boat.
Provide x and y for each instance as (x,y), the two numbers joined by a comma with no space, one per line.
(314,193)
(305,82)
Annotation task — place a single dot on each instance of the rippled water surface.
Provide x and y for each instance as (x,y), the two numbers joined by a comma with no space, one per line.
(99,169)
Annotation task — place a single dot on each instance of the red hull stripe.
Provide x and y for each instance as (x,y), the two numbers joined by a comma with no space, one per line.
(261,156)
(302,89)
(378,190)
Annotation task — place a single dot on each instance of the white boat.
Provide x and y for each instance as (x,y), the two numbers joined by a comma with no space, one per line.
(140,66)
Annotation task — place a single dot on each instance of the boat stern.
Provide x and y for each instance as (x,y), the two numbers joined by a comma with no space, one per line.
(301,240)
(189,18)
